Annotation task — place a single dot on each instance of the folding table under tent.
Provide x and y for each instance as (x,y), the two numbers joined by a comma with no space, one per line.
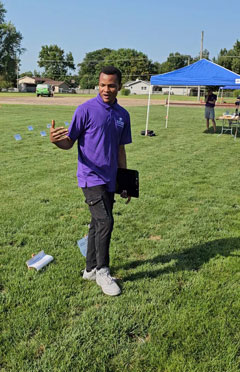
(200,73)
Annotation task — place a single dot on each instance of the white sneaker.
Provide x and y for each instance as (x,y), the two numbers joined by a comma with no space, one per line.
(106,282)
(91,275)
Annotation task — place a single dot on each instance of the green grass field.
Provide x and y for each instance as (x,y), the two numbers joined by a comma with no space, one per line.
(175,251)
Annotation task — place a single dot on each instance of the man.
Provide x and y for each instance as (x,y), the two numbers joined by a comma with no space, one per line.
(237,103)
(102,128)
(210,100)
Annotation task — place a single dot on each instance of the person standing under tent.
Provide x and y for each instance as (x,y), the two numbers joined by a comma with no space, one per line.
(210,100)
(237,103)
(102,128)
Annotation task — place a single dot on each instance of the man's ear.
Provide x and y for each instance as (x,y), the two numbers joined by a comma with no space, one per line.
(120,87)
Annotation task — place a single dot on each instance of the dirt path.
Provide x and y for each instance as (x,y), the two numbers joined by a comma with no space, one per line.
(71,101)
(76,101)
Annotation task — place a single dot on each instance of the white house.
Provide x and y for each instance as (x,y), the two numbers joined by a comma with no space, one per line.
(138,86)
(28,83)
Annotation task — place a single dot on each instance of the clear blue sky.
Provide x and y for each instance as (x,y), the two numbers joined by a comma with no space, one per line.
(154,27)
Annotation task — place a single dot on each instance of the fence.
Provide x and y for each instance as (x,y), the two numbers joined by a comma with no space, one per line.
(86,91)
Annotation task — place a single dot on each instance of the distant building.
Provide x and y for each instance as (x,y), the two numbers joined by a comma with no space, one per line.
(138,86)
(180,91)
(142,87)
(28,84)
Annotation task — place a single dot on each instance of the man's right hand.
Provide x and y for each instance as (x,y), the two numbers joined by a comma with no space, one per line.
(59,136)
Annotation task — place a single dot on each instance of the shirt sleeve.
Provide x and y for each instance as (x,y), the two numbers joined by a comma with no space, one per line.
(126,136)
(77,124)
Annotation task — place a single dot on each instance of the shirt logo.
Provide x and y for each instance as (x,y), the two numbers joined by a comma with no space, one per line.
(120,122)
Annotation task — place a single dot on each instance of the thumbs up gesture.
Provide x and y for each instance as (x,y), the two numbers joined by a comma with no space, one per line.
(57,134)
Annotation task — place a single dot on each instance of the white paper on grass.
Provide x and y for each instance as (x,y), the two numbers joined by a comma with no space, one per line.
(82,244)
(43,133)
(30,127)
(39,261)
(48,125)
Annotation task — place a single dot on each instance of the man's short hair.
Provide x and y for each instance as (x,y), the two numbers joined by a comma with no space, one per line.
(111,70)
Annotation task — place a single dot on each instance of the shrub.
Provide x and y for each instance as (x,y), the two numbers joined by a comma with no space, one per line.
(125,92)
(236,93)
(4,84)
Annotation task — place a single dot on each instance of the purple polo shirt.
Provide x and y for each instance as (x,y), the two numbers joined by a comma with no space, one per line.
(99,128)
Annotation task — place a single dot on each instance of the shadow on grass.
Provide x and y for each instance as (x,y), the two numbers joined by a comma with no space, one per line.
(211,131)
(190,259)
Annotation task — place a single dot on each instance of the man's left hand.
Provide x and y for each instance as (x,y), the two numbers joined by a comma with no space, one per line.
(125,195)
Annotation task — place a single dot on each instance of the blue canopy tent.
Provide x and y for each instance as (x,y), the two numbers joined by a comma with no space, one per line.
(200,73)
(230,87)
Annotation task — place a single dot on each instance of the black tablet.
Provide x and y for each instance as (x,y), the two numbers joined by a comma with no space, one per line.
(127,179)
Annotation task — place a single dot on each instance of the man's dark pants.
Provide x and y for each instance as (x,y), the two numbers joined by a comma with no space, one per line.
(100,203)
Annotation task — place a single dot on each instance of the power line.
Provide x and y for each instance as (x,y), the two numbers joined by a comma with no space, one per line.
(102,60)
(228,56)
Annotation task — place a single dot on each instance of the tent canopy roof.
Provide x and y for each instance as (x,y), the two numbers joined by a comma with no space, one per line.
(237,86)
(202,72)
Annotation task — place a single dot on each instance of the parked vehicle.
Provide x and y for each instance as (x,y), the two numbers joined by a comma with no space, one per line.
(71,90)
(44,90)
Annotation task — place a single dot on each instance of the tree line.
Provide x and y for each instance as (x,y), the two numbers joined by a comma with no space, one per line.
(58,65)
(10,50)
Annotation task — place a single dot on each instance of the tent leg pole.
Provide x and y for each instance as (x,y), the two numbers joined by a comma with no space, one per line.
(148,109)
(198,93)
(218,94)
(166,125)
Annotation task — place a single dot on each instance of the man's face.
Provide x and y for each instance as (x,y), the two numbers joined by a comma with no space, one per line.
(108,87)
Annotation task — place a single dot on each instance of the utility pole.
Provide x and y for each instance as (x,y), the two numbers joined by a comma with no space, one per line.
(187,91)
(201,51)
(201,55)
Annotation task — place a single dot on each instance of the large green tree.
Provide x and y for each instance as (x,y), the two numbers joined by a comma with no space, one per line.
(230,58)
(223,58)
(35,73)
(88,73)
(10,48)
(132,63)
(55,63)
(205,54)
(174,62)
(177,60)
(2,13)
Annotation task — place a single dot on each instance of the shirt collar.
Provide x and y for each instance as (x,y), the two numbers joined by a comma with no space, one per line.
(106,105)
